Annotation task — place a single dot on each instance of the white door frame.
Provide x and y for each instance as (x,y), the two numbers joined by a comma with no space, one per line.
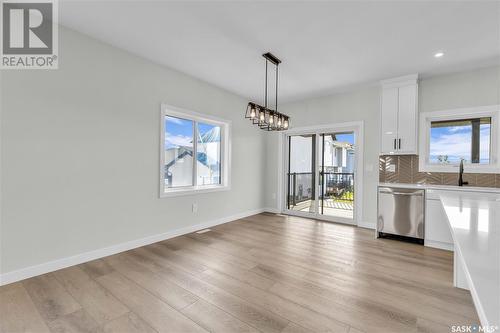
(358,128)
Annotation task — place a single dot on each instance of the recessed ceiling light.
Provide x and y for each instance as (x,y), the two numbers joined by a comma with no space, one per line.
(438,54)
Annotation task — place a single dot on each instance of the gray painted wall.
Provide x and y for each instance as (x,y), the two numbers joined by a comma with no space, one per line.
(466,89)
(80,154)
(460,90)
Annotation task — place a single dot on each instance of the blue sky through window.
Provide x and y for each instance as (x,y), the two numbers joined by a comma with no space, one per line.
(205,129)
(178,132)
(448,144)
(208,144)
(345,137)
(208,154)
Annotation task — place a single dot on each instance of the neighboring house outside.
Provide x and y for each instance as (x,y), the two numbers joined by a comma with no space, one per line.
(207,162)
(339,156)
(338,161)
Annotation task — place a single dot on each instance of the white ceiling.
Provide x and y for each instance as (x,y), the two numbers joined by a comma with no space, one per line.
(326,47)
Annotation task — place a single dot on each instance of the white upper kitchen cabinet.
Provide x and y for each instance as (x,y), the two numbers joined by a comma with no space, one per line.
(399,111)
(389,119)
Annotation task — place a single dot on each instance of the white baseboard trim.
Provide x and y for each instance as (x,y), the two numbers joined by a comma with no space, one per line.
(272,210)
(367,225)
(57,264)
(439,245)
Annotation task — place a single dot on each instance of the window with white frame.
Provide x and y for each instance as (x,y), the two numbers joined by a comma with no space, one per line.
(194,154)
(447,137)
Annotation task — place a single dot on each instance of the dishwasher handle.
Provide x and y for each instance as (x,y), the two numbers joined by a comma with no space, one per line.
(419,193)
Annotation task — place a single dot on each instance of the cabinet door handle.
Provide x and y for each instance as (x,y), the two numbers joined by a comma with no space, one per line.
(399,143)
(394,144)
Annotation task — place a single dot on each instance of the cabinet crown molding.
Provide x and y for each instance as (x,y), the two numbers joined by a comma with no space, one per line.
(400,81)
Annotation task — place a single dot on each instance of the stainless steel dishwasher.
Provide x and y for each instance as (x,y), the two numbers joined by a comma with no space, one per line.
(401,213)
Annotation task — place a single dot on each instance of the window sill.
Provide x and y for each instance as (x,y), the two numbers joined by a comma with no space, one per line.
(193,190)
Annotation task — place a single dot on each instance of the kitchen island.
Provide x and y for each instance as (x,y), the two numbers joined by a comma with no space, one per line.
(474,220)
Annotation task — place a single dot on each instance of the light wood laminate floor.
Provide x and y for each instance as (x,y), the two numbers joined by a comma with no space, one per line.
(267,273)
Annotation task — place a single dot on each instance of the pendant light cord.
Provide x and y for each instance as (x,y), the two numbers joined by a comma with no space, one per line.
(276,106)
(265,102)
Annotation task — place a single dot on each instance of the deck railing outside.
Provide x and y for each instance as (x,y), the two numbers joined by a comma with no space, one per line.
(338,186)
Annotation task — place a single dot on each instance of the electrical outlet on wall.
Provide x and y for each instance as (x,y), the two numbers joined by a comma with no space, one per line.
(195,207)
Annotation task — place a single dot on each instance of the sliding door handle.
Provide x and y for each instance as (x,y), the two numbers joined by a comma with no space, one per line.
(394,144)
(399,143)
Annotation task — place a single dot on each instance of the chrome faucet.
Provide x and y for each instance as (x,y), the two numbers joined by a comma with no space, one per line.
(461,173)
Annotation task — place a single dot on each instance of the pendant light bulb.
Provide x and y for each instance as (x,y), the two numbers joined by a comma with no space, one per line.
(271,119)
(262,116)
(279,121)
(285,124)
(252,112)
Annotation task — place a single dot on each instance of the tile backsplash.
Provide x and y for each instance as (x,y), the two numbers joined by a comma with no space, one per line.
(404,169)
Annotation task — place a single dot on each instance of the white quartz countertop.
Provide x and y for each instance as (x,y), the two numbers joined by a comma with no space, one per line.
(475,225)
(443,187)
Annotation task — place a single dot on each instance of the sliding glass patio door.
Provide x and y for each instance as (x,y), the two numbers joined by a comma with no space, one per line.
(336,175)
(301,196)
(320,175)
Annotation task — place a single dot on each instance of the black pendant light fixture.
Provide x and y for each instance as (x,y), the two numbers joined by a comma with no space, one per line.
(262,116)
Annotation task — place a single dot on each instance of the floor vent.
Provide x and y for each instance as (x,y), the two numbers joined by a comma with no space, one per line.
(203,231)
